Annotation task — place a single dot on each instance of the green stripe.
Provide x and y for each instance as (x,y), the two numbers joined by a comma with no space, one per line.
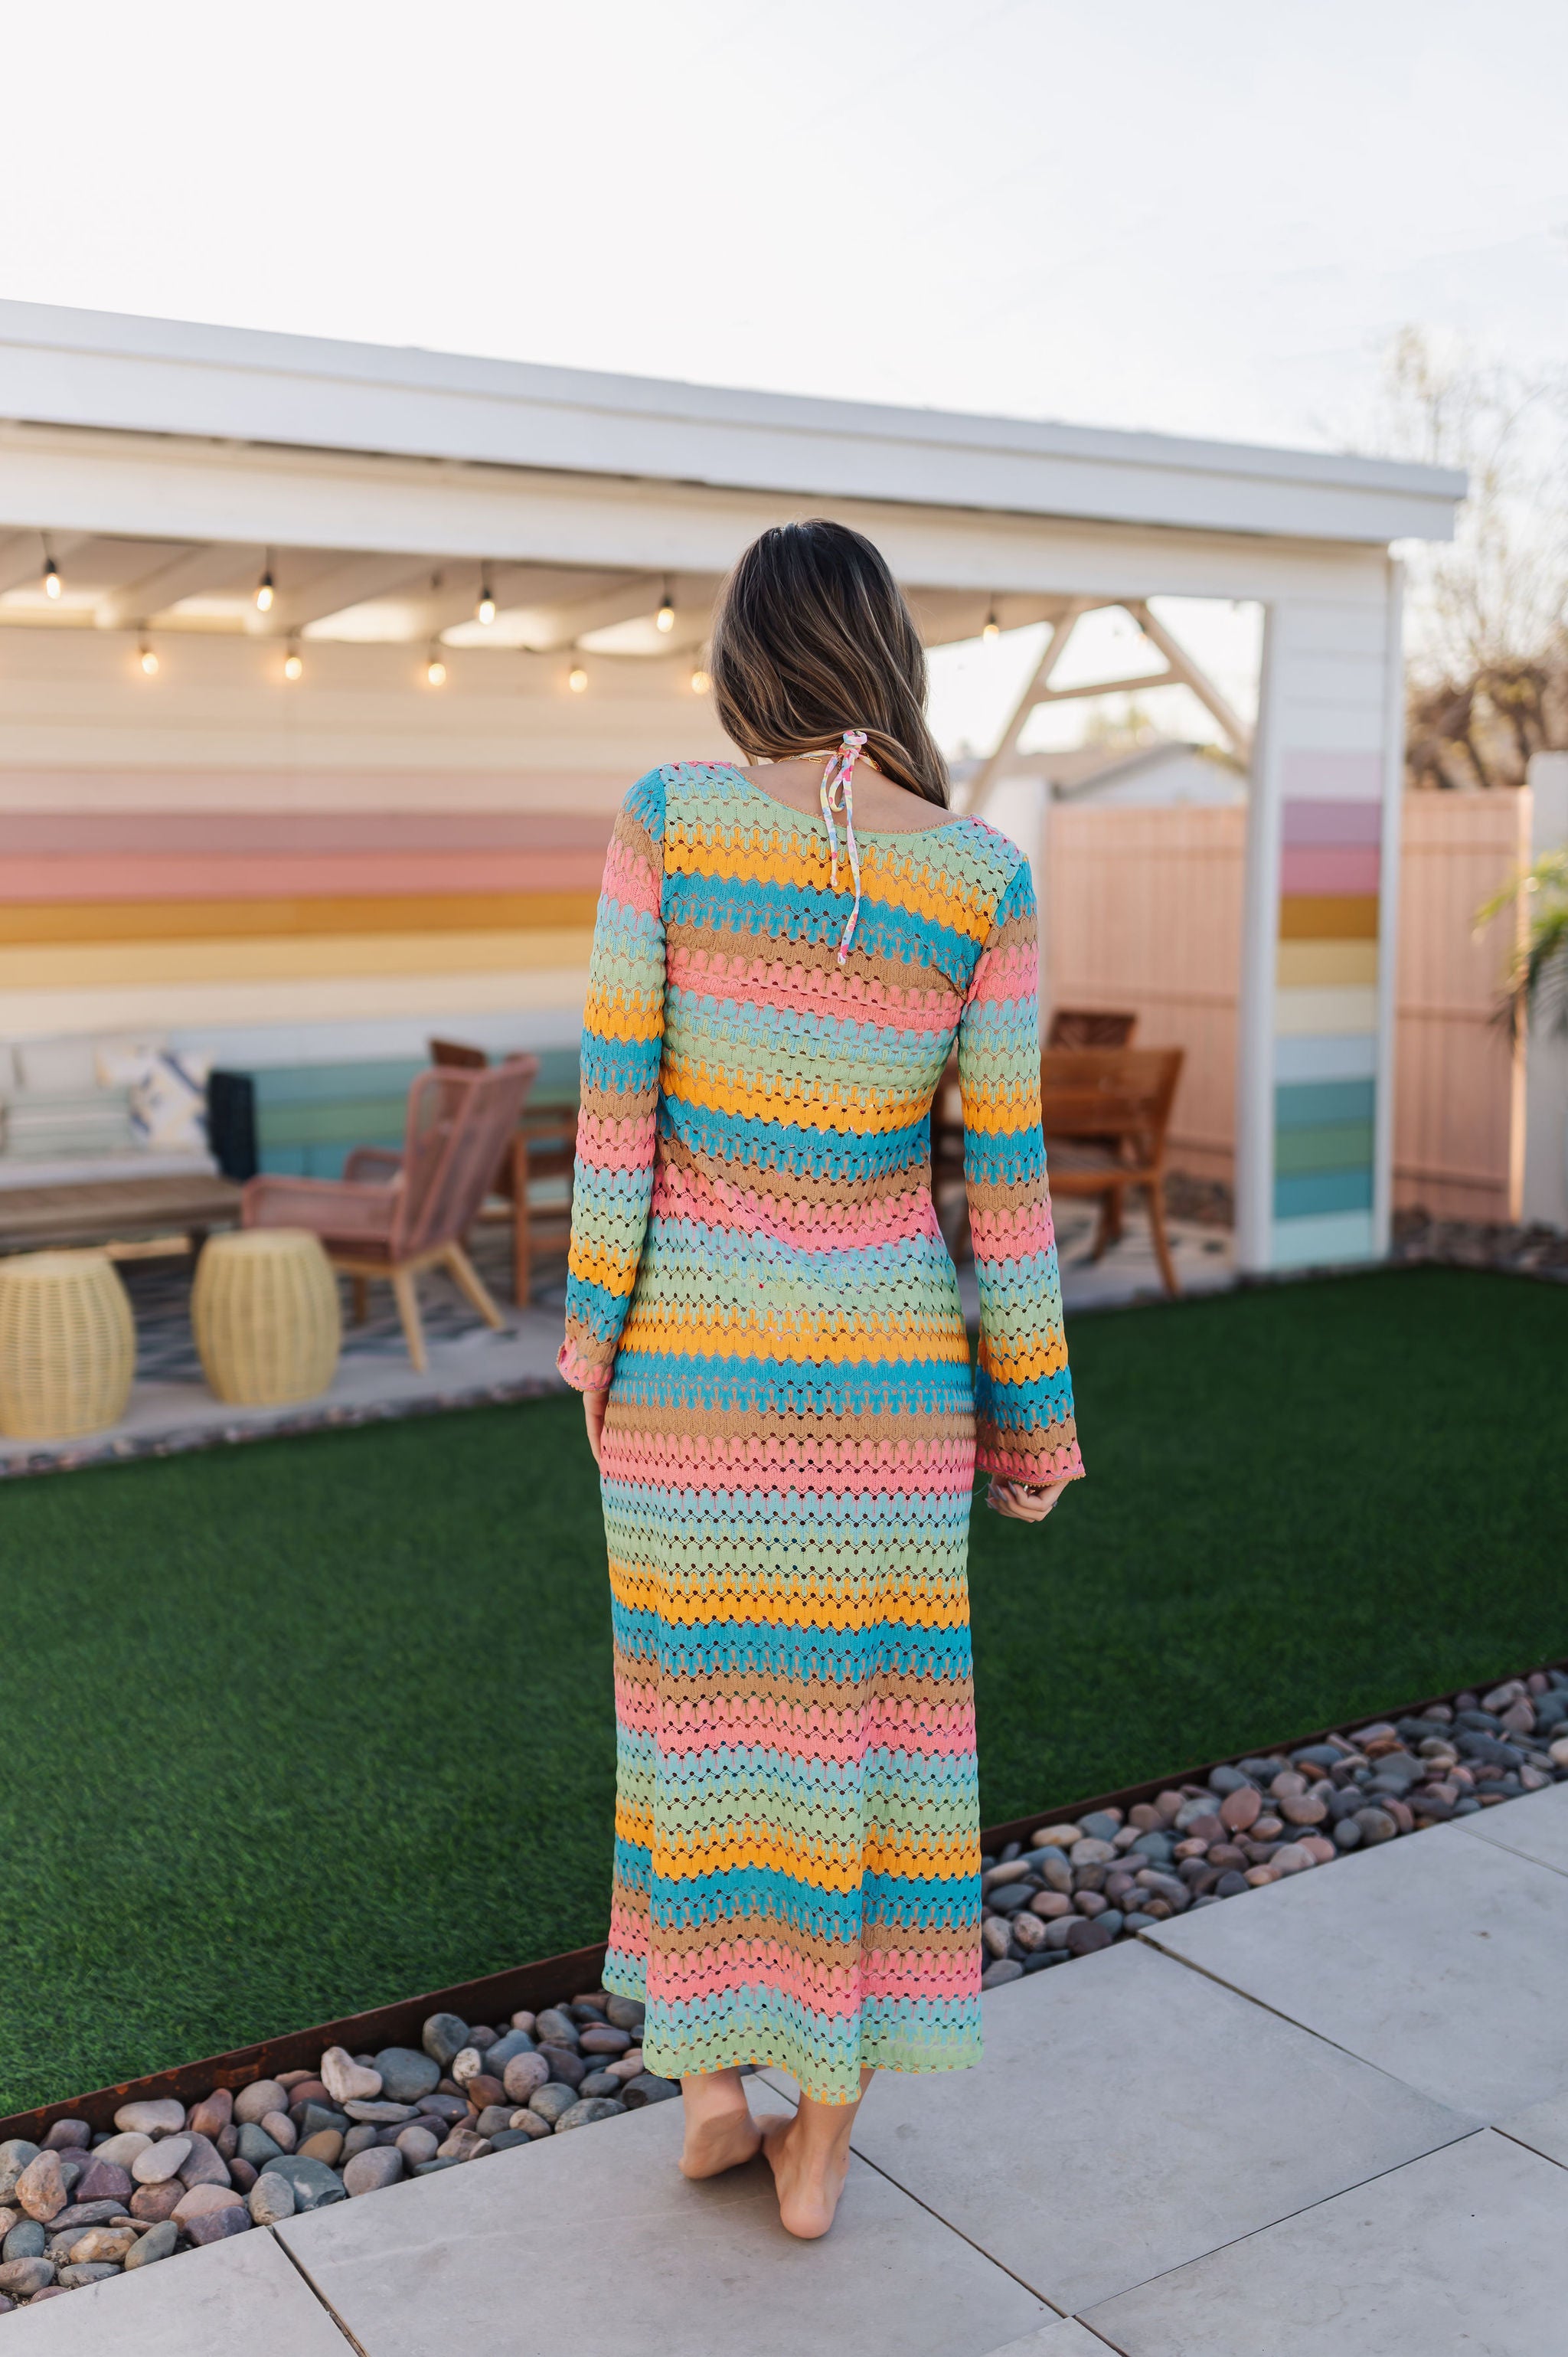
(1338,1146)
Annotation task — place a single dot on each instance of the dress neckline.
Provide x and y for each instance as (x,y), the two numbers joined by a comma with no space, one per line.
(809,819)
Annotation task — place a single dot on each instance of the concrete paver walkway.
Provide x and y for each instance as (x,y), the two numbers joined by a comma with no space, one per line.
(1330,2118)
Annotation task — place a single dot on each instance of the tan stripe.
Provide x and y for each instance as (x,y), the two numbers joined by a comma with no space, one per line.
(130,964)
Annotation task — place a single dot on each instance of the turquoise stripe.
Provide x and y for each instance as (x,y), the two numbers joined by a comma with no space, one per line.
(1314,1104)
(1326,1191)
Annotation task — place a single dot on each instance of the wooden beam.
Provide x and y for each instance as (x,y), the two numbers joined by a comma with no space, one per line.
(562,625)
(1192,675)
(348,584)
(211,565)
(985,777)
(22,556)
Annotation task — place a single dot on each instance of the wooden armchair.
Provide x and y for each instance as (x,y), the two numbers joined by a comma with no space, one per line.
(393,1215)
(1071,1027)
(1105,1112)
(542,1150)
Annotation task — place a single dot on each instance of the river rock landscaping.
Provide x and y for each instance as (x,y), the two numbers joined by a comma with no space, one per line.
(1113,1872)
(167,2178)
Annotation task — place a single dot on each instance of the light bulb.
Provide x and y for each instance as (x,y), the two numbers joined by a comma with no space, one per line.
(292,665)
(665,617)
(435,671)
(51,578)
(264,592)
(701,683)
(485,612)
(993,626)
(148,660)
(576,678)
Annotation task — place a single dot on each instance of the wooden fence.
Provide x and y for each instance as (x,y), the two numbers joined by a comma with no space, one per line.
(1143,909)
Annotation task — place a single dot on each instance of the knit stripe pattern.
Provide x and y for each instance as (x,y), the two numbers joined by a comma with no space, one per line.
(793,1425)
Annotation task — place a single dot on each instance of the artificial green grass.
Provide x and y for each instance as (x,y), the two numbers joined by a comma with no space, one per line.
(306,1726)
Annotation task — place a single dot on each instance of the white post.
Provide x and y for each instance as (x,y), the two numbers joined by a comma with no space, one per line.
(1388,921)
(1255,1000)
(1546,1052)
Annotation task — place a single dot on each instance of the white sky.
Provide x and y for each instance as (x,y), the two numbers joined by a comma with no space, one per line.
(1206,218)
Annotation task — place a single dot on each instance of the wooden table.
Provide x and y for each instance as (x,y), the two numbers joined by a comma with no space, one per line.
(128,1218)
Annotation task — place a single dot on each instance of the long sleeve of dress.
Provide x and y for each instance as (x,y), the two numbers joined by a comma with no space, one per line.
(623,1039)
(1024,1413)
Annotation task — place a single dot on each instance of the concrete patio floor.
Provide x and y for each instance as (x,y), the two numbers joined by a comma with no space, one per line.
(1328,2118)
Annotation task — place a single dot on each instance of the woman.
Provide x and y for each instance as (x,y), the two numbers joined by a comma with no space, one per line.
(765,1325)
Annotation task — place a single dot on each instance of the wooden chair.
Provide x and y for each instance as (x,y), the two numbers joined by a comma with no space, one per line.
(1071,1027)
(1105,1112)
(393,1215)
(542,1150)
(1090,1027)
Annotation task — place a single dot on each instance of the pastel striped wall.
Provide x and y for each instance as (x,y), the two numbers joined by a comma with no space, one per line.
(197,922)
(1321,925)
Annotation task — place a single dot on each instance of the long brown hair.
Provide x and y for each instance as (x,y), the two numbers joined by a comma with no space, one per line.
(813,636)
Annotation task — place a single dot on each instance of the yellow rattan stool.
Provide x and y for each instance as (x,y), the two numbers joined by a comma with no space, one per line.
(264,1308)
(67,1345)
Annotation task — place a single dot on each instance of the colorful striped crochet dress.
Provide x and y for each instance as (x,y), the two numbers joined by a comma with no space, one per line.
(793,1428)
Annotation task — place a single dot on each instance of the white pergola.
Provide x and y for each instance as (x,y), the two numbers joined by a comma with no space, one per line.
(205,506)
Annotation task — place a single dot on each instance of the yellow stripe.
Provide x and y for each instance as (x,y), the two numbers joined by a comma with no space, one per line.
(805,1339)
(129,965)
(761,1100)
(838,1867)
(1326,966)
(1329,917)
(792,1599)
(191,920)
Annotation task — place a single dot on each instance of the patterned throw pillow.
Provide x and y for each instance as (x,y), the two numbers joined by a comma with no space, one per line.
(168,1107)
(168,1093)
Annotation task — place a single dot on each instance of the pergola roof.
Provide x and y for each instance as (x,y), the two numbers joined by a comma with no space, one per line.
(161,465)
(99,369)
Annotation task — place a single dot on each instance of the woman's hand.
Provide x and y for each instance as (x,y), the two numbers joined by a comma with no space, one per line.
(1018,1503)
(593,1406)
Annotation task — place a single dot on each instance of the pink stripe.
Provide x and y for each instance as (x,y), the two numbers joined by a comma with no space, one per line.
(270,825)
(1322,823)
(937,1735)
(1346,869)
(843,993)
(822,1468)
(604,1144)
(731,1963)
(692,1195)
(303,876)
(629,882)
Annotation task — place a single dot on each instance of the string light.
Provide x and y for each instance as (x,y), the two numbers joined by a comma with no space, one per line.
(51,574)
(435,670)
(576,678)
(265,592)
(701,683)
(293,664)
(485,612)
(148,660)
(993,626)
(665,617)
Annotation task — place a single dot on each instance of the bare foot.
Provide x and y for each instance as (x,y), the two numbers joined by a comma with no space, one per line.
(808,2185)
(724,2140)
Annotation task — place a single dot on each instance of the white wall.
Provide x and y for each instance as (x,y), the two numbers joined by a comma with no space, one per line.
(1546,1052)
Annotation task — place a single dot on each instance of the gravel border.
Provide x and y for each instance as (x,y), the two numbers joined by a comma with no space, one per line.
(87,2204)
(1076,1887)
